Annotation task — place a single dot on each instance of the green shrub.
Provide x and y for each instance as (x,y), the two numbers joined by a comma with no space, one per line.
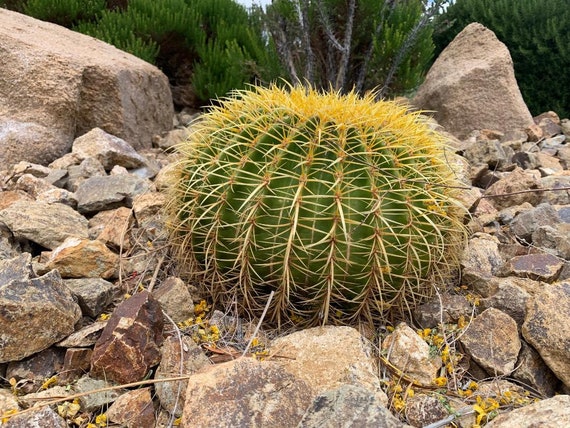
(208,43)
(536,33)
(344,207)
(64,12)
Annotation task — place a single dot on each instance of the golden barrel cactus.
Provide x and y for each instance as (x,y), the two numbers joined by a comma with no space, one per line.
(345,207)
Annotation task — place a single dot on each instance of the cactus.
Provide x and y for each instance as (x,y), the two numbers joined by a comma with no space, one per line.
(343,206)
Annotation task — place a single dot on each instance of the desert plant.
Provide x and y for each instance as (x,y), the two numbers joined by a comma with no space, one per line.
(535,31)
(354,44)
(343,206)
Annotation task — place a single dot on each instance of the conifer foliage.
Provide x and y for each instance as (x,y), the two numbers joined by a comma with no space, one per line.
(536,33)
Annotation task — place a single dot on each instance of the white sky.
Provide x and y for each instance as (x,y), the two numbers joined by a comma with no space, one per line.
(248,3)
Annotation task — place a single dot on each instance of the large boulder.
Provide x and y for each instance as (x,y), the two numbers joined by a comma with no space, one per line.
(472,86)
(56,84)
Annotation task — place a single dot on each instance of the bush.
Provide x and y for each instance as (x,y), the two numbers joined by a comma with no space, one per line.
(360,44)
(536,33)
(66,13)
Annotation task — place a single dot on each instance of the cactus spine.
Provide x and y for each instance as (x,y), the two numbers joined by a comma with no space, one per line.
(343,206)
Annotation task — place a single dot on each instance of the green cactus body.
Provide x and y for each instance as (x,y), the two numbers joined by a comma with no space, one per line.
(343,206)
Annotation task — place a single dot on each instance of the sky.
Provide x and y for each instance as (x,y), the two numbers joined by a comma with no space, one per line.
(248,3)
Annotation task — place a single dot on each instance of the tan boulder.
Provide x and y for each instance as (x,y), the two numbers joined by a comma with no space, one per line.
(472,86)
(57,84)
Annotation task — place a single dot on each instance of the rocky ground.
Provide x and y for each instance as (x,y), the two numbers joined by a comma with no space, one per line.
(97,329)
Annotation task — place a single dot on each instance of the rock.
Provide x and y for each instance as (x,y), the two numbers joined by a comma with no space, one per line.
(93,294)
(472,86)
(48,225)
(549,122)
(516,188)
(57,84)
(86,336)
(493,342)
(111,227)
(525,223)
(553,412)
(171,139)
(147,206)
(76,363)
(327,357)
(44,417)
(245,392)
(481,260)
(107,149)
(41,305)
(540,267)
(130,343)
(407,351)
(532,371)
(133,409)
(85,169)
(96,400)
(422,410)
(172,395)
(560,193)
(488,152)
(175,299)
(348,406)
(8,402)
(546,327)
(554,239)
(83,258)
(109,192)
(510,298)
(447,308)
(35,369)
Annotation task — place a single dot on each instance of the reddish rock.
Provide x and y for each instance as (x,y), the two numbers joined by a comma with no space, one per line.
(133,409)
(130,343)
(76,363)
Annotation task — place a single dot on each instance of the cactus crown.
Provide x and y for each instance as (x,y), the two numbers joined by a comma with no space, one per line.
(343,206)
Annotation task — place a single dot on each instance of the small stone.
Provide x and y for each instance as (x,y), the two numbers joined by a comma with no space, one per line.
(492,340)
(326,357)
(109,192)
(172,395)
(348,406)
(35,369)
(526,222)
(552,412)
(76,363)
(407,351)
(93,294)
(96,400)
(447,308)
(554,239)
(510,298)
(113,227)
(558,193)
(83,258)
(130,343)
(488,152)
(422,410)
(147,206)
(133,409)
(87,168)
(107,149)
(531,370)
(175,299)
(87,336)
(540,267)
(42,305)
(45,224)
(546,327)
(44,417)
(516,188)
(245,393)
